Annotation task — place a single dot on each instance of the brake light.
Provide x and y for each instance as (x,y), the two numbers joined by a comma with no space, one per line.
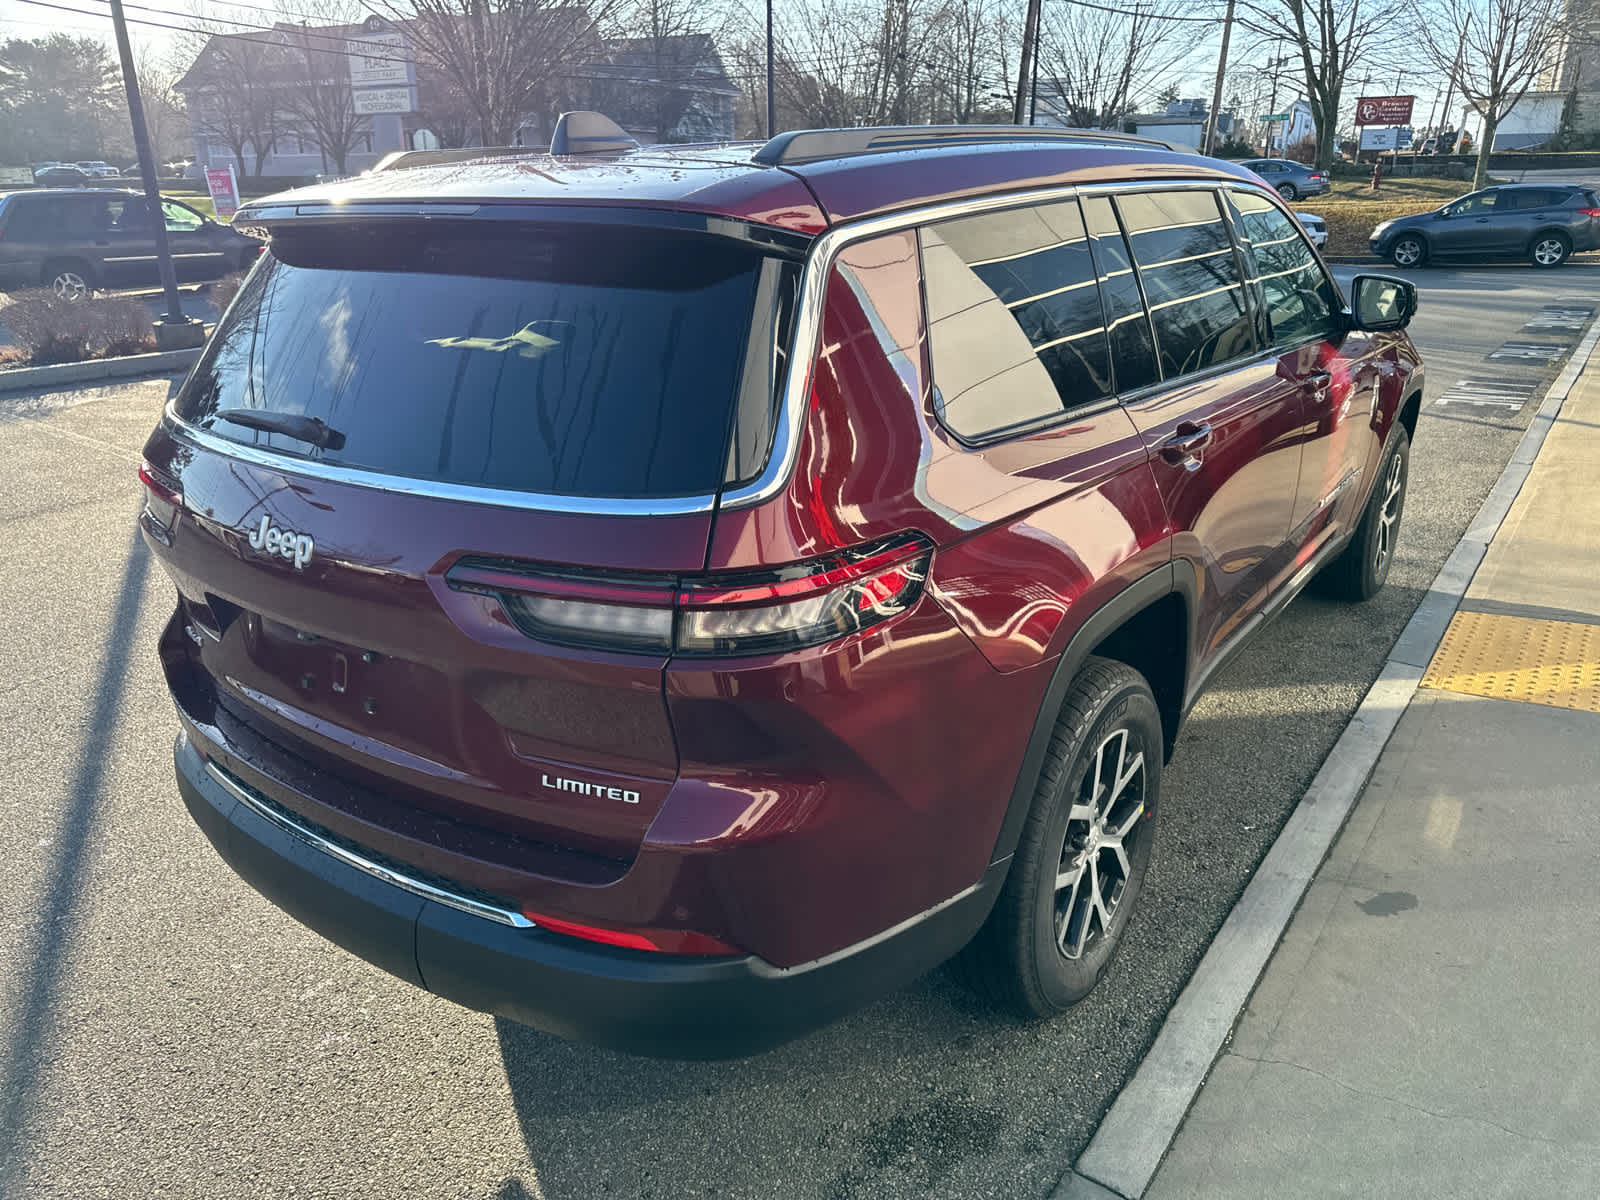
(758,612)
(657,941)
(163,498)
(1589,212)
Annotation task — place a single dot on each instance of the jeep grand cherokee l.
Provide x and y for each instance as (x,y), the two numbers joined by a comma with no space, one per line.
(669,597)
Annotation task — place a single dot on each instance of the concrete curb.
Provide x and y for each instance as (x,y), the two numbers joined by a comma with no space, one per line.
(1130,1143)
(27,379)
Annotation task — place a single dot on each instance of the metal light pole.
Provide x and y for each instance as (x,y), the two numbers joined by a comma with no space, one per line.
(772,107)
(174,331)
(1216,92)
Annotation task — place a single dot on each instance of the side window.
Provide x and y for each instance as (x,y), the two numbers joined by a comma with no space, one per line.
(1014,319)
(1300,299)
(83,216)
(1133,351)
(1191,279)
(180,219)
(1479,204)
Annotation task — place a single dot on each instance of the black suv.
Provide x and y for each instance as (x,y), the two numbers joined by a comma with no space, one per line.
(1543,223)
(76,240)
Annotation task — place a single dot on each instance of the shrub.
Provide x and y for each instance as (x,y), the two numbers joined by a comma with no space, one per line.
(1303,151)
(1233,148)
(48,329)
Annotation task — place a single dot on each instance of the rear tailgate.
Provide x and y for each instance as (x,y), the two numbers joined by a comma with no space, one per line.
(376,407)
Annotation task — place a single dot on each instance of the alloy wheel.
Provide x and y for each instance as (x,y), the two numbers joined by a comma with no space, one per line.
(1389,515)
(1094,866)
(1407,252)
(69,285)
(1549,252)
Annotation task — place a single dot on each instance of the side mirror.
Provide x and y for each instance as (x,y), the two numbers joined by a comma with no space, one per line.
(1382,302)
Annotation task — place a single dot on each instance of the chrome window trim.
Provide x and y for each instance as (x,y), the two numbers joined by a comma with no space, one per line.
(275,816)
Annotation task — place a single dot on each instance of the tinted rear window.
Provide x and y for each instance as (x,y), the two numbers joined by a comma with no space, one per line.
(575,360)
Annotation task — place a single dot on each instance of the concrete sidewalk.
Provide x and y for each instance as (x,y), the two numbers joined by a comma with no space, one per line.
(1430,1023)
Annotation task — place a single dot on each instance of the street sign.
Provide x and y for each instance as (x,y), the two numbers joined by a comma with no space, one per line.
(370,102)
(1276,117)
(378,59)
(224,189)
(1384,110)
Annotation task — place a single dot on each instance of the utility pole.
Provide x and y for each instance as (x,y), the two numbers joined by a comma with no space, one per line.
(1450,87)
(772,104)
(173,331)
(1028,67)
(1216,92)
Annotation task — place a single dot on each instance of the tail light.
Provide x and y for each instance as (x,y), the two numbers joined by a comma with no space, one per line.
(760,612)
(657,941)
(163,499)
(1589,212)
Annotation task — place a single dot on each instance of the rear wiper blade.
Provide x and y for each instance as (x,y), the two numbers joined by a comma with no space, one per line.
(302,429)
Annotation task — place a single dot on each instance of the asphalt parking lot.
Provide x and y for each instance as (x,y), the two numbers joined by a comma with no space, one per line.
(166,1032)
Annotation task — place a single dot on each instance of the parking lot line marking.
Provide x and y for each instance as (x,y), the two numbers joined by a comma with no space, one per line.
(1509,394)
(1529,351)
(1554,663)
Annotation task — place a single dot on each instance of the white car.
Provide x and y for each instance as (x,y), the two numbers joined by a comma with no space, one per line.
(102,169)
(1315,228)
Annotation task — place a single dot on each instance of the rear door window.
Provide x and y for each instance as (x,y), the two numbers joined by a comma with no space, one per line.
(1299,297)
(1186,263)
(1014,318)
(1133,349)
(599,361)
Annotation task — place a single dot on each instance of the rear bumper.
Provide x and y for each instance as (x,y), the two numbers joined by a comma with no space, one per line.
(643,1003)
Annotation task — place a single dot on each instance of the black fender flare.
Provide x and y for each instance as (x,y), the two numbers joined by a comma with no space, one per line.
(1175,577)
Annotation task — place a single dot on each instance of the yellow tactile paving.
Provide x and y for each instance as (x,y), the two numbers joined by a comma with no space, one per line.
(1514,658)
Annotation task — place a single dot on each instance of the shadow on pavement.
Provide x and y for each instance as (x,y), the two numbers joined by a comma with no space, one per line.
(56,914)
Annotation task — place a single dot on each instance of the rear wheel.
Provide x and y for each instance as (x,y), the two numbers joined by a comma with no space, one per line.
(1363,566)
(1081,860)
(1408,251)
(69,278)
(1549,250)
(1288,191)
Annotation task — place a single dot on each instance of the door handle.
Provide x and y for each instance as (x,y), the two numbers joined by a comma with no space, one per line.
(1179,449)
(1483,220)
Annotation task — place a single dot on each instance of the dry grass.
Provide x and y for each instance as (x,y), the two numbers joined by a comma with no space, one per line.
(48,329)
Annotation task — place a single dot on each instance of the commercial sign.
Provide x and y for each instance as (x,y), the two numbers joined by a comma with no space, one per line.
(370,102)
(1386,139)
(378,59)
(224,189)
(1384,110)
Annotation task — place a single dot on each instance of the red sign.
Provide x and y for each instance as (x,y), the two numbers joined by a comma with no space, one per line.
(1384,110)
(224,189)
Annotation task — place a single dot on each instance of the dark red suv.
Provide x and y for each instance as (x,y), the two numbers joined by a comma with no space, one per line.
(670,597)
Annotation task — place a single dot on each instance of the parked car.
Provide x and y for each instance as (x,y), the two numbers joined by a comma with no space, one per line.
(76,240)
(1316,228)
(669,597)
(1291,180)
(100,170)
(1544,223)
(63,176)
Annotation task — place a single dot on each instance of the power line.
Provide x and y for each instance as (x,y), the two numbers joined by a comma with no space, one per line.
(1133,12)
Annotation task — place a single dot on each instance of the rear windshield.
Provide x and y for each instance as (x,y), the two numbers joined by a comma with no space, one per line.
(568,360)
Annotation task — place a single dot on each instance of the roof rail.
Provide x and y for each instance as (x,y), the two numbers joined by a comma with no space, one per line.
(402,160)
(814,145)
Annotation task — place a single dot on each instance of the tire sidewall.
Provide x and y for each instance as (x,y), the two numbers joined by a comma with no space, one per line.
(1063,982)
(1422,251)
(1372,576)
(1566,250)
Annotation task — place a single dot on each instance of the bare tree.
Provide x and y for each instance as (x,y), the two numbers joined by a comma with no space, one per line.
(662,49)
(1094,64)
(962,59)
(1493,52)
(1329,36)
(239,83)
(322,102)
(507,59)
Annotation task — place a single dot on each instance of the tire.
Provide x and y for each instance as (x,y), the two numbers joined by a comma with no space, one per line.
(1289,192)
(1409,250)
(1044,948)
(1549,250)
(69,278)
(1363,566)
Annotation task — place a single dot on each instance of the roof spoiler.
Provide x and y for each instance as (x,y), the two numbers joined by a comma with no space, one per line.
(814,145)
(584,132)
